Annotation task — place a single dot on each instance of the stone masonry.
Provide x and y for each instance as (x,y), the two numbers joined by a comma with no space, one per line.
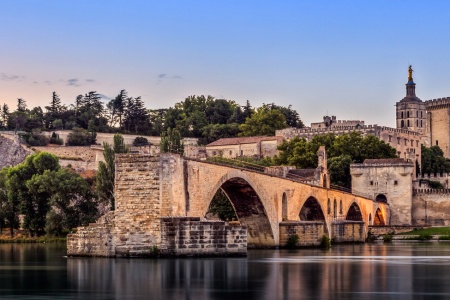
(136,227)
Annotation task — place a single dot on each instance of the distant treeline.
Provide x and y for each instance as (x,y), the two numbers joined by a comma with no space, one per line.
(203,117)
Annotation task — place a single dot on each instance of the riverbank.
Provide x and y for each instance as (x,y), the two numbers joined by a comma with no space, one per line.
(20,237)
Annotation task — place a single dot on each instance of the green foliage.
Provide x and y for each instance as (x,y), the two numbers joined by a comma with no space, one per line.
(341,151)
(35,138)
(444,238)
(263,122)
(221,206)
(81,137)
(435,184)
(433,161)
(37,186)
(292,241)
(104,180)
(171,141)
(387,238)
(325,242)
(140,141)
(424,237)
(54,139)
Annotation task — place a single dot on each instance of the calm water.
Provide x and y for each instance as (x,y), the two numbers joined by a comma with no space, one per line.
(376,271)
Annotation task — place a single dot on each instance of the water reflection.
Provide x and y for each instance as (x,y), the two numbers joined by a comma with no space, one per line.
(398,271)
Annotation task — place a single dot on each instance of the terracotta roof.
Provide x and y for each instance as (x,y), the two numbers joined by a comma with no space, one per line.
(244,140)
(386,161)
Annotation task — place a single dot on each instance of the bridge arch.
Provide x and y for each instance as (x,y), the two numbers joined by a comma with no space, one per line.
(354,213)
(251,206)
(379,218)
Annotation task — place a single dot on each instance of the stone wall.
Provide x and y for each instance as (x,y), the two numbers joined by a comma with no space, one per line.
(380,230)
(310,233)
(138,205)
(439,120)
(391,180)
(348,231)
(12,152)
(188,236)
(431,207)
(93,240)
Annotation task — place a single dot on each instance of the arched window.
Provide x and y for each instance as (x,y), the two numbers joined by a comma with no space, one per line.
(408,123)
(421,124)
(407,114)
(402,115)
(381,198)
(334,209)
(402,124)
(421,114)
(417,123)
(329,206)
(340,207)
(284,208)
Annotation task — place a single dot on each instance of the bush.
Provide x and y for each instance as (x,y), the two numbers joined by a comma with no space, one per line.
(54,139)
(387,238)
(81,137)
(435,184)
(292,241)
(35,138)
(325,242)
(444,238)
(425,237)
(140,141)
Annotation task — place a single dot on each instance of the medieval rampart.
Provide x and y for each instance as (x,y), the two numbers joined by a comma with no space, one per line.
(431,207)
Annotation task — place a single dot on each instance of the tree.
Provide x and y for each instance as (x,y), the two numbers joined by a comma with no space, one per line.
(104,180)
(21,105)
(263,122)
(433,161)
(221,206)
(171,141)
(341,151)
(117,108)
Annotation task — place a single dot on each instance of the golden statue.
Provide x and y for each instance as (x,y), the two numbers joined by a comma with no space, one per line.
(410,71)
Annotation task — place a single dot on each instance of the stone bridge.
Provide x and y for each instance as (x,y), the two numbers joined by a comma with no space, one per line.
(162,201)
(262,202)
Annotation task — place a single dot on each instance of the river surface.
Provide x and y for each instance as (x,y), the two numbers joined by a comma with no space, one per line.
(364,271)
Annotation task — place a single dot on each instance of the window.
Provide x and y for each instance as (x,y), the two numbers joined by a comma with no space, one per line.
(402,115)
(390,138)
(417,123)
(437,142)
(395,182)
(408,123)
(371,182)
(398,140)
(421,124)
(421,114)
(407,115)
(406,142)
(412,143)
(417,114)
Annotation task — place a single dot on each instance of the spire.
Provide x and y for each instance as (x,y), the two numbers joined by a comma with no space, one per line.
(410,86)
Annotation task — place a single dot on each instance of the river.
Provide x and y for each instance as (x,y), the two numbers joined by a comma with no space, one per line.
(362,271)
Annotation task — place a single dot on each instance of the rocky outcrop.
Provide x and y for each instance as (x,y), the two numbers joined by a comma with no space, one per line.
(11,151)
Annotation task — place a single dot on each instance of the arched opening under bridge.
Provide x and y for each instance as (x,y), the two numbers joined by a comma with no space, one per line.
(379,218)
(250,212)
(311,211)
(354,213)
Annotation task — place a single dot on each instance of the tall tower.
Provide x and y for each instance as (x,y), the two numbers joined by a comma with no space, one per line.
(411,111)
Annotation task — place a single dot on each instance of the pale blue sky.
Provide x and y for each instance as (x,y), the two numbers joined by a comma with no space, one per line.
(344,58)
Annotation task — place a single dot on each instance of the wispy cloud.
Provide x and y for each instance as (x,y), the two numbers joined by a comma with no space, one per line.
(9,77)
(90,80)
(164,76)
(73,82)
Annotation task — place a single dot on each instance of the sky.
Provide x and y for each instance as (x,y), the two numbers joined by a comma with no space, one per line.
(342,58)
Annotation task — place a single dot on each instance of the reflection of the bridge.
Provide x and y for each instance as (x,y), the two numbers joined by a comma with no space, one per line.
(353,271)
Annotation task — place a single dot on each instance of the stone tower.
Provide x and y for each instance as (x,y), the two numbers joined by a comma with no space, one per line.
(411,111)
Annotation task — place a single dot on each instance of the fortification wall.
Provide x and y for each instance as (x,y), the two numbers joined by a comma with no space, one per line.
(431,207)
(187,236)
(11,151)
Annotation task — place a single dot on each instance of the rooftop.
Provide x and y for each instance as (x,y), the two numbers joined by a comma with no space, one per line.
(244,140)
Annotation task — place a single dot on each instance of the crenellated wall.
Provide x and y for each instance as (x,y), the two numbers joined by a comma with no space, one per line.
(431,207)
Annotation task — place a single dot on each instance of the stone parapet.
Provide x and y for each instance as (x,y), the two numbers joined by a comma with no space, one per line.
(190,236)
(392,229)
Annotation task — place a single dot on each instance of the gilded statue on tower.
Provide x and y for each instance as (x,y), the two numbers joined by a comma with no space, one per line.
(410,71)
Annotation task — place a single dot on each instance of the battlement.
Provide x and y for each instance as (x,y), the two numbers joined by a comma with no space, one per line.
(365,129)
(432,176)
(438,103)
(431,191)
